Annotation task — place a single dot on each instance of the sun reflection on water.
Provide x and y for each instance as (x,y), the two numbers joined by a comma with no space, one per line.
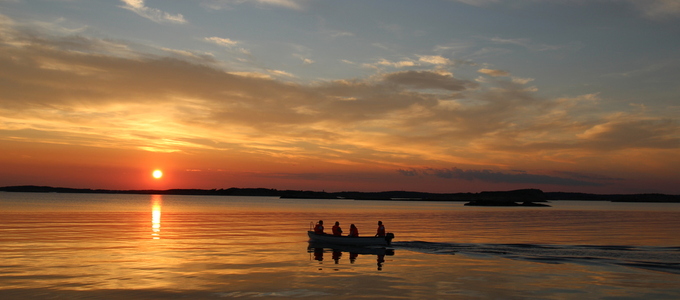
(156,202)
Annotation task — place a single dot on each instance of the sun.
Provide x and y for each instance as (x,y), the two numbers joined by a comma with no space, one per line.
(157,174)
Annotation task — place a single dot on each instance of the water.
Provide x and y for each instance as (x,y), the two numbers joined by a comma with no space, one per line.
(71,246)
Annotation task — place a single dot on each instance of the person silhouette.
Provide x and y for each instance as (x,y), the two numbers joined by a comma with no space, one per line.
(337,254)
(381,260)
(318,229)
(337,231)
(381,229)
(353,230)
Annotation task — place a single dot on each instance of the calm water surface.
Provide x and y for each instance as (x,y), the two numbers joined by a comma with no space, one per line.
(71,246)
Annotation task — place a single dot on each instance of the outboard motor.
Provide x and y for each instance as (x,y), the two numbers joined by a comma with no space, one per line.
(388,237)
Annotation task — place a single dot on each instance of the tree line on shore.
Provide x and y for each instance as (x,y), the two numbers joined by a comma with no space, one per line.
(522,195)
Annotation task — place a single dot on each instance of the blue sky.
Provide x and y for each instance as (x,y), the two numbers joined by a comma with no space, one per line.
(372,95)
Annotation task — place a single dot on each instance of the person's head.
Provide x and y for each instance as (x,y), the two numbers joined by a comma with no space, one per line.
(379,222)
(352,226)
(320,222)
(337,223)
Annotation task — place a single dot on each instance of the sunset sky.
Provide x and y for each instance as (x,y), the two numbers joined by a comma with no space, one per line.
(432,96)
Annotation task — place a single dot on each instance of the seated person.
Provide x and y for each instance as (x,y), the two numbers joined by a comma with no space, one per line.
(337,231)
(318,229)
(353,231)
(381,229)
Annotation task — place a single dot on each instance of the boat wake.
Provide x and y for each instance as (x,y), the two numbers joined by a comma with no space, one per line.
(662,259)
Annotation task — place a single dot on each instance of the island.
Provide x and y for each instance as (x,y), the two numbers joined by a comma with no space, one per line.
(527,197)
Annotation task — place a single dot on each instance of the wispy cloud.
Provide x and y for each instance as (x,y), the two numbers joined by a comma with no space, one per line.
(422,60)
(227,4)
(653,9)
(520,80)
(337,33)
(281,73)
(153,14)
(221,41)
(305,60)
(588,177)
(197,56)
(283,3)
(621,131)
(429,80)
(659,9)
(396,64)
(479,2)
(494,73)
(534,46)
(434,59)
(498,177)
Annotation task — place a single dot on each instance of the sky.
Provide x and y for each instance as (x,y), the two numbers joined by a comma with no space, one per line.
(435,96)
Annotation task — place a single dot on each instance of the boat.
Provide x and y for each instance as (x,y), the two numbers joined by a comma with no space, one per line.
(351,240)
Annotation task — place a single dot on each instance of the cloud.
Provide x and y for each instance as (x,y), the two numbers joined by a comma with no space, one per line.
(494,73)
(429,80)
(281,73)
(498,177)
(221,41)
(520,80)
(534,46)
(626,131)
(410,173)
(479,2)
(398,64)
(192,55)
(228,4)
(153,14)
(336,33)
(588,177)
(305,60)
(283,3)
(434,59)
(658,9)
(422,60)
(252,75)
(653,9)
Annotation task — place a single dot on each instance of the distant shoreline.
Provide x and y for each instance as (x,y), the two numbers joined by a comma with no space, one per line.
(491,198)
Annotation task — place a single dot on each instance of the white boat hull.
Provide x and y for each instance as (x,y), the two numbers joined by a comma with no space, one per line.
(349,240)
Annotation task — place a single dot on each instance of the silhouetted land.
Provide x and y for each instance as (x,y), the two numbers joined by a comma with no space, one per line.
(528,197)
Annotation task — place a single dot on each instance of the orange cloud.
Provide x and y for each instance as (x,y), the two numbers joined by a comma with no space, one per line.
(494,73)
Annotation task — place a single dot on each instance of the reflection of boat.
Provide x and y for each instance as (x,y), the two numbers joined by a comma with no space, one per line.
(314,246)
(351,240)
(354,251)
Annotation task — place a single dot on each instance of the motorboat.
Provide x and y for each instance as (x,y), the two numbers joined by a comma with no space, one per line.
(351,240)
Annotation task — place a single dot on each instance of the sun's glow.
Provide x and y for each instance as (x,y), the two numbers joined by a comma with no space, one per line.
(157,174)
(156,201)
